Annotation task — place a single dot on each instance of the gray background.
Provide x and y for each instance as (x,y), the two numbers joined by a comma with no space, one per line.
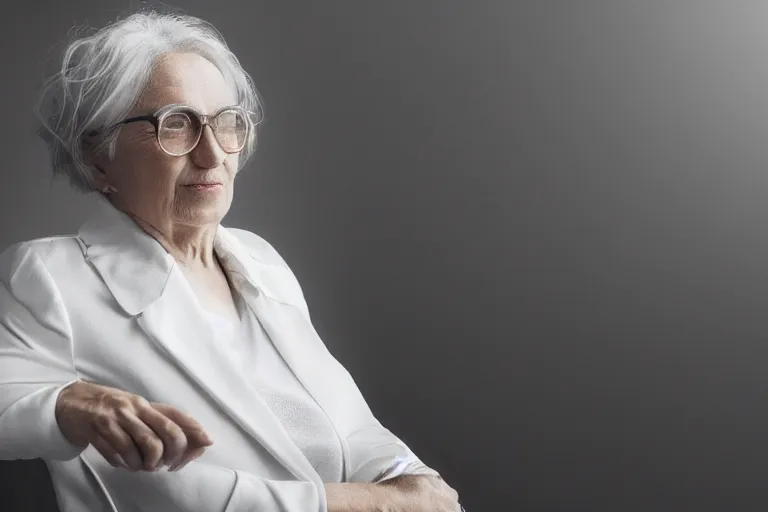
(533,231)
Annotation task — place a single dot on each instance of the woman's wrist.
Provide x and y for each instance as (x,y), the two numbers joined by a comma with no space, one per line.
(358,497)
(350,497)
(407,493)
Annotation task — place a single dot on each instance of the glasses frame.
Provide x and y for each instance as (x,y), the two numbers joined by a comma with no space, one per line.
(157,117)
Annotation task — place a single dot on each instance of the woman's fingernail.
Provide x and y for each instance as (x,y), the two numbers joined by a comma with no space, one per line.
(204,437)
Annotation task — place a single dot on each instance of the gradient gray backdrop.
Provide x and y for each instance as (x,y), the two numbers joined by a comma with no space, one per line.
(535,232)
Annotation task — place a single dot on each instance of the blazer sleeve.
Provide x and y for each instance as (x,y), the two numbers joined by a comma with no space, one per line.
(35,359)
(204,487)
(374,453)
(36,362)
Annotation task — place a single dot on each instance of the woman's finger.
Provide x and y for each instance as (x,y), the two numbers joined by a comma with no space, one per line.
(174,438)
(191,455)
(109,453)
(108,429)
(149,444)
(196,437)
(187,423)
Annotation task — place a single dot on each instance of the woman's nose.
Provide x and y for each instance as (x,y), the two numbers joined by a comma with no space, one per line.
(208,153)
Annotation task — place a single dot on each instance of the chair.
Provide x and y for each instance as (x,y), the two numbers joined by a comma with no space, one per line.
(25,486)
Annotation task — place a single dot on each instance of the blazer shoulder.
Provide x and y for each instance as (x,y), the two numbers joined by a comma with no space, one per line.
(264,252)
(45,250)
(258,247)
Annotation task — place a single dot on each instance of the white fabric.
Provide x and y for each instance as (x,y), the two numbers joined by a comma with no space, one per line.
(305,422)
(110,306)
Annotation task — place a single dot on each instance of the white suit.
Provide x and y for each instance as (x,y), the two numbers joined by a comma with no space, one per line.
(110,306)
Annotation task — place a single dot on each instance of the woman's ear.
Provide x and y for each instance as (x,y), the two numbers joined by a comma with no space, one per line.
(101,182)
(91,151)
(96,159)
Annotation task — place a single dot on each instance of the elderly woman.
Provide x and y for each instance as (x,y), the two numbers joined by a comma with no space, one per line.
(156,360)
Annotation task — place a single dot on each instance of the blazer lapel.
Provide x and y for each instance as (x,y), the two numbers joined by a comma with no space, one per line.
(146,282)
(176,323)
(270,289)
(305,353)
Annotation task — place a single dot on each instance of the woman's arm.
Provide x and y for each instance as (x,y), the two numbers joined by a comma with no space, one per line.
(351,497)
(36,367)
(203,487)
(35,359)
(375,453)
(382,473)
(408,493)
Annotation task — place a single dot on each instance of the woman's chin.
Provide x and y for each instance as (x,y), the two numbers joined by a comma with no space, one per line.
(202,214)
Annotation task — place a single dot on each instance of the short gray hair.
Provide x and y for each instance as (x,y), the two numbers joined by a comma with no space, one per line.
(103,75)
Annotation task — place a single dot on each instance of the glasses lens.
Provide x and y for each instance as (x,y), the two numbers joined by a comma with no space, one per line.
(231,128)
(178,133)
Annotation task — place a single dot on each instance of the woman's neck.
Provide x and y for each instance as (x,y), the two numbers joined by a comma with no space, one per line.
(190,246)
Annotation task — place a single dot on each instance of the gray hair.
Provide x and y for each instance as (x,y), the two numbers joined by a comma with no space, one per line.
(103,75)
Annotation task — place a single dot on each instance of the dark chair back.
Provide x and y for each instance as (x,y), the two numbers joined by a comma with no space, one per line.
(25,486)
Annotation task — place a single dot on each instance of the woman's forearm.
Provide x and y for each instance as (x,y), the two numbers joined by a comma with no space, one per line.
(411,493)
(354,497)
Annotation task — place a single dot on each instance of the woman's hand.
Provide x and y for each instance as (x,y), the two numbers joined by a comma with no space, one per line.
(127,430)
(424,493)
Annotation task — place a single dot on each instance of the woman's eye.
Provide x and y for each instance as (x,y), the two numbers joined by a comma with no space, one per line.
(176,122)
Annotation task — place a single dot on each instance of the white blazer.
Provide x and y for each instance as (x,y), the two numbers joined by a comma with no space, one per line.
(110,306)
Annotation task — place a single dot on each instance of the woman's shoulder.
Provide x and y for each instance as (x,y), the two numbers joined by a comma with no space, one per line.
(258,247)
(50,252)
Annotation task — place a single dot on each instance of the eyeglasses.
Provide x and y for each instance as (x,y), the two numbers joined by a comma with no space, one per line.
(179,128)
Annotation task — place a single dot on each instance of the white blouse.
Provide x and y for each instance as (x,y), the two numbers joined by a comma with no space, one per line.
(304,421)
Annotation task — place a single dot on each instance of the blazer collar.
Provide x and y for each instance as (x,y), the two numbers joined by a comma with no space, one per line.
(142,277)
(136,267)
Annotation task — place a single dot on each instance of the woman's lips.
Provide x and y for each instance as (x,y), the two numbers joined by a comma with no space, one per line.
(203,186)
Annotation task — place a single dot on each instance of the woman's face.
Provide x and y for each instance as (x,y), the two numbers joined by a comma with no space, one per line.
(165,190)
